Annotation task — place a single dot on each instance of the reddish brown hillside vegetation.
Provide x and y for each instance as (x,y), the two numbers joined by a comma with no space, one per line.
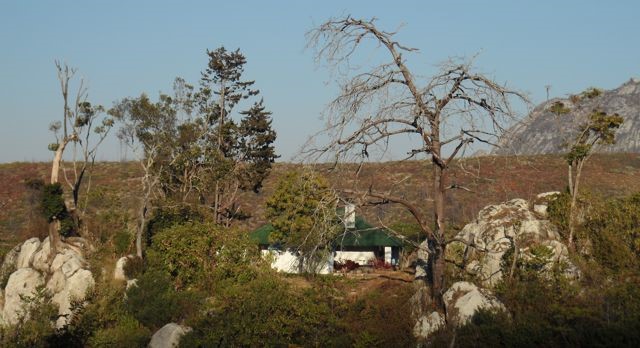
(114,186)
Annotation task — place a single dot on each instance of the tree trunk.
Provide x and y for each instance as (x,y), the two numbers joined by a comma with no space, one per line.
(574,200)
(437,265)
(437,260)
(143,221)
(54,226)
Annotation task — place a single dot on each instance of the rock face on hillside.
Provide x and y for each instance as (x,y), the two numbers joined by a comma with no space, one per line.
(462,300)
(543,133)
(29,266)
(168,336)
(503,227)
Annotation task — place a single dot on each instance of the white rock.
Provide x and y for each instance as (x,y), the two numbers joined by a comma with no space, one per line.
(132,282)
(540,209)
(496,230)
(551,195)
(71,266)
(118,273)
(62,257)
(464,299)
(27,250)
(428,324)
(57,282)
(76,288)
(168,336)
(10,260)
(23,282)
(41,257)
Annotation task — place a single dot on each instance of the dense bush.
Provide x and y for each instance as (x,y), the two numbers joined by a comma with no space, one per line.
(380,318)
(53,208)
(266,312)
(154,302)
(134,267)
(166,217)
(103,322)
(204,255)
(609,230)
(554,312)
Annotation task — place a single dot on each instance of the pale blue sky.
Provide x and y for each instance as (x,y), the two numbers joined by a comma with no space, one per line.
(124,48)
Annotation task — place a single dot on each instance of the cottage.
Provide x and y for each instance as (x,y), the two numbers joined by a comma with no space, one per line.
(360,243)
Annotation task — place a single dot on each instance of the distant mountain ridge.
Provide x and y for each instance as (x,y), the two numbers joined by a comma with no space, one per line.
(544,133)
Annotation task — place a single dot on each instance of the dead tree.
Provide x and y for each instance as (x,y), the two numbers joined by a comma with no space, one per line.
(443,114)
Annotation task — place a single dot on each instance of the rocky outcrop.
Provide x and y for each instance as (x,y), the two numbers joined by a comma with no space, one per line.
(66,276)
(118,273)
(27,250)
(168,336)
(22,283)
(507,226)
(428,324)
(464,299)
(461,301)
(543,132)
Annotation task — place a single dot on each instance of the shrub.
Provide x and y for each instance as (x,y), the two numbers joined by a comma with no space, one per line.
(154,302)
(122,242)
(200,254)
(166,217)
(380,264)
(35,327)
(346,266)
(134,267)
(265,312)
(381,317)
(53,208)
(127,332)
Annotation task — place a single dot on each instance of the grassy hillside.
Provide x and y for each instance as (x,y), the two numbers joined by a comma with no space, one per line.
(491,180)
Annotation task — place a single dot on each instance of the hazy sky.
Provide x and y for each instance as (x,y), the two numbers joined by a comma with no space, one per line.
(124,48)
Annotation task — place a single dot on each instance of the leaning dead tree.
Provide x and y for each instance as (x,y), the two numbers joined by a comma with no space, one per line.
(441,116)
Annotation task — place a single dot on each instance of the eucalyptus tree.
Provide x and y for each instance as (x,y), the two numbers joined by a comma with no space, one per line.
(84,127)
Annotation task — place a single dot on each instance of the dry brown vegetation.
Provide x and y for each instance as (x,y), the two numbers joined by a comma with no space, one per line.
(491,180)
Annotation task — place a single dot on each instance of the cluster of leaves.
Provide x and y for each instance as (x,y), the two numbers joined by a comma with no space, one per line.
(303,212)
(613,228)
(203,254)
(266,312)
(554,313)
(609,234)
(208,155)
(53,208)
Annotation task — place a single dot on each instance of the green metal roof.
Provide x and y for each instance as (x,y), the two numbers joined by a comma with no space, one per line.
(261,235)
(363,235)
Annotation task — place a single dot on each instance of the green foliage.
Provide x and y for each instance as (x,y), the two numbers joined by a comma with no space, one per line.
(559,108)
(101,321)
(127,332)
(600,129)
(265,312)
(202,254)
(122,242)
(134,267)
(53,208)
(154,302)
(256,142)
(613,227)
(52,202)
(591,93)
(303,212)
(550,314)
(166,217)
(381,318)
(35,326)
